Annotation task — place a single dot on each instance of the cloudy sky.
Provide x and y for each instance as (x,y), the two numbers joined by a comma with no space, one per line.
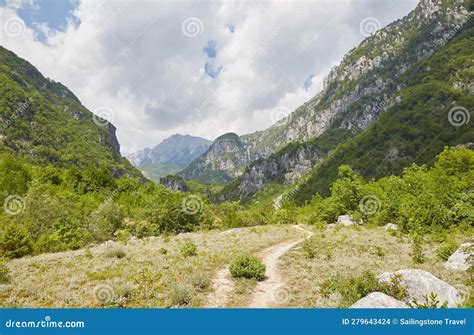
(155,68)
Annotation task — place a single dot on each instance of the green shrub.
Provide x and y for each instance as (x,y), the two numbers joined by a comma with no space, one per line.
(352,289)
(189,249)
(248,267)
(181,295)
(417,249)
(88,253)
(200,280)
(123,294)
(49,243)
(446,250)
(430,301)
(163,251)
(105,220)
(379,251)
(4,272)
(308,249)
(115,252)
(15,241)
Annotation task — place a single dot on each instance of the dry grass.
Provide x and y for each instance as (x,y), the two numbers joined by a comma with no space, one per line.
(145,277)
(349,252)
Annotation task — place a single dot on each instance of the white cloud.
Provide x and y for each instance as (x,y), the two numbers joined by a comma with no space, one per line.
(134,58)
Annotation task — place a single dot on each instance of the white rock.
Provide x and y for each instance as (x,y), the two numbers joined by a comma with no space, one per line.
(345,220)
(231,231)
(421,284)
(379,300)
(331,225)
(391,226)
(462,259)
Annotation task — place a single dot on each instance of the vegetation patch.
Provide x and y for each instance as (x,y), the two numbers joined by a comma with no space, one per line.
(249,267)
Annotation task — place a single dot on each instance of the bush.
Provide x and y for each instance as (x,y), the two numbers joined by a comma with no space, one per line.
(352,289)
(15,241)
(200,280)
(379,251)
(105,220)
(248,267)
(430,301)
(115,252)
(308,249)
(181,295)
(446,250)
(163,251)
(189,249)
(417,250)
(49,243)
(4,272)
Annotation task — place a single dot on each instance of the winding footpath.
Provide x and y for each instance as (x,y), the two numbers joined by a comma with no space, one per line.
(271,291)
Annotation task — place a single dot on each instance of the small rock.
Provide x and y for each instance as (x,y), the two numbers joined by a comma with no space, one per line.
(231,231)
(109,242)
(462,259)
(379,300)
(331,225)
(344,220)
(391,226)
(421,284)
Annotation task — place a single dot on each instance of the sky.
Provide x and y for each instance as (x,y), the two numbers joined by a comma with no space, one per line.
(155,68)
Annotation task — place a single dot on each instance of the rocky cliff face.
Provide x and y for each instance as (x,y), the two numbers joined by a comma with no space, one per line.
(223,161)
(174,183)
(356,91)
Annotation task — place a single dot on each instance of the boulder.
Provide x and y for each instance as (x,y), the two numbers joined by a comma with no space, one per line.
(344,220)
(379,300)
(462,259)
(421,284)
(391,226)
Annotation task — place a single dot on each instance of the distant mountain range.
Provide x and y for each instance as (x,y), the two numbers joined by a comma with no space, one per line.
(170,156)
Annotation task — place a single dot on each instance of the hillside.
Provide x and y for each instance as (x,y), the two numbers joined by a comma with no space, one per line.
(434,110)
(368,92)
(44,123)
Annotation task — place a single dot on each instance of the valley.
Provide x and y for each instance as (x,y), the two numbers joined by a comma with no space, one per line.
(361,197)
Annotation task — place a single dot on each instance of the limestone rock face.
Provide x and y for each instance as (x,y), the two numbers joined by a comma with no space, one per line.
(421,284)
(174,183)
(379,300)
(462,259)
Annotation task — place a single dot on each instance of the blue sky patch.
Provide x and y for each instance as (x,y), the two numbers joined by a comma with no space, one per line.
(211,70)
(54,13)
(308,82)
(211,49)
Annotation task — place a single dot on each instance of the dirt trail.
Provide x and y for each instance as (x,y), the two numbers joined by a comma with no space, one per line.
(222,285)
(270,292)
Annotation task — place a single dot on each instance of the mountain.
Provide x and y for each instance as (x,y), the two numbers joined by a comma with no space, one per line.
(170,156)
(372,79)
(356,92)
(223,161)
(43,121)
